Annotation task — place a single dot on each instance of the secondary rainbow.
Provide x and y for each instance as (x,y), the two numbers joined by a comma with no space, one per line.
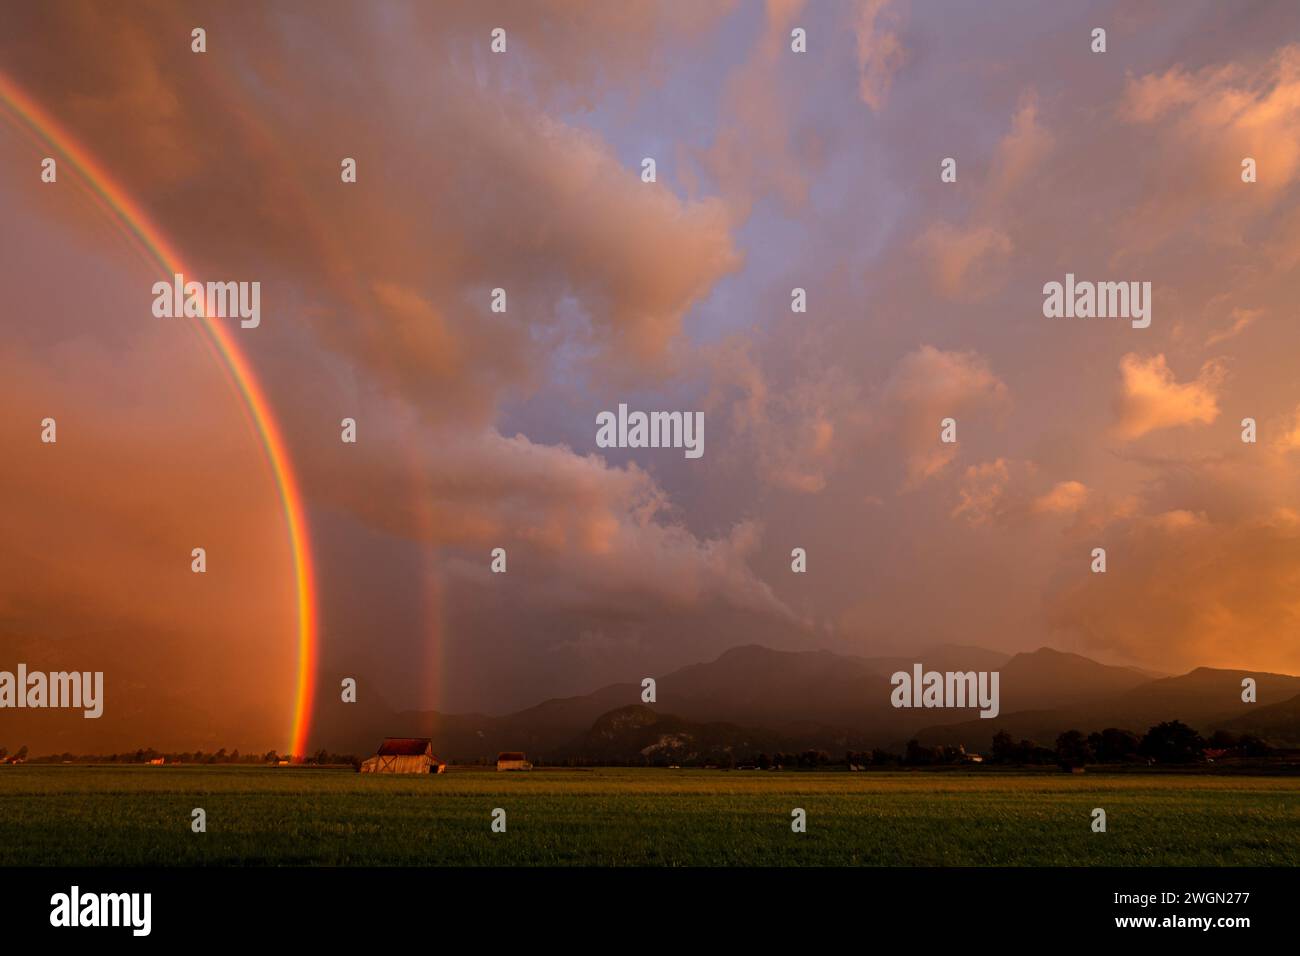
(143,232)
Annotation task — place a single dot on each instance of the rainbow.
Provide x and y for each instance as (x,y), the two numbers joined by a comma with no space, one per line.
(145,234)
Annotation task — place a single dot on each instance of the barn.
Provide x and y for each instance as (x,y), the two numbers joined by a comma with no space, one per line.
(512,760)
(404,755)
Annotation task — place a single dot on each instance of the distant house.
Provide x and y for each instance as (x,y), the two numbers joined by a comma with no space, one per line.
(404,755)
(157,761)
(512,760)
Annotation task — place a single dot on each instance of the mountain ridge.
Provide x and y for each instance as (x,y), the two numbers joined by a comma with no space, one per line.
(822,699)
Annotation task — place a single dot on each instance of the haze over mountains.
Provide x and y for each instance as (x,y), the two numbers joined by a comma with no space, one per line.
(753,698)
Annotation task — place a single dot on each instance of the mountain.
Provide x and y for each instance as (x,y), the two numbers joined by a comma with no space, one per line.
(638,730)
(1053,679)
(1277,724)
(1206,698)
(798,700)
(811,698)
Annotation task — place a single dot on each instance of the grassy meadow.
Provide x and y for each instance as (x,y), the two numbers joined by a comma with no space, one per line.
(133,815)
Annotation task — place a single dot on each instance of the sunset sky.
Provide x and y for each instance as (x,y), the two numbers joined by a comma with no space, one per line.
(477,430)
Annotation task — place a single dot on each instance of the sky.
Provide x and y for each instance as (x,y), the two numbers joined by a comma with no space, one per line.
(476,429)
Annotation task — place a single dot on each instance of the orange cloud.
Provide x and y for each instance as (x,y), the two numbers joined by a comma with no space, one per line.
(982,491)
(1066,497)
(1290,441)
(927,386)
(1151,399)
(1183,589)
(1239,321)
(964,258)
(1024,148)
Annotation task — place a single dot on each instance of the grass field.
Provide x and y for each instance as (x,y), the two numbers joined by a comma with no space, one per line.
(112,815)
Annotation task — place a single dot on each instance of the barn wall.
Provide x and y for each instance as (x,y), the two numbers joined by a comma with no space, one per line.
(418,764)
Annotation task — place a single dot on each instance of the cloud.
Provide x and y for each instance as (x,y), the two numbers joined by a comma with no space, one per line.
(1203,567)
(1201,125)
(1236,110)
(755,152)
(927,386)
(1182,590)
(1148,98)
(1290,440)
(982,491)
(1065,498)
(880,50)
(1151,399)
(1239,321)
(1022,150)
(964,259)
(998,492)
(613,528)
(794,434)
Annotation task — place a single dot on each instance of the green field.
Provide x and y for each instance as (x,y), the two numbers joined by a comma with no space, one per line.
(114,815)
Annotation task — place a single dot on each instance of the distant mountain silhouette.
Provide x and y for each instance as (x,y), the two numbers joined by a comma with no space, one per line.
(1278,724)
(639,730)
(1053,679)
(1206,698)
(823,700)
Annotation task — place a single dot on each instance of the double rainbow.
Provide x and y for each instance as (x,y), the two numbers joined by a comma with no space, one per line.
(146,234)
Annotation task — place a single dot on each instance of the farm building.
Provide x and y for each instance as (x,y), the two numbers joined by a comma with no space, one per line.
(404,755)
(512,760)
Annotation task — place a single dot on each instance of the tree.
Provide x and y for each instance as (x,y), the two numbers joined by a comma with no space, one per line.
(1113,745)
(1172,742)
(1223,740)
(1003,749)
(919,755)
(1032,753)
(22,753)
(1252,746)
(1073,750)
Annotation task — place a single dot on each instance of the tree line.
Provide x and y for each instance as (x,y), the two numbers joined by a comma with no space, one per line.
(1170,742)
(148,754)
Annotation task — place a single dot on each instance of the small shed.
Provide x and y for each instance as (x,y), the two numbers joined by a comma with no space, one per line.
(512,760)
(404,755)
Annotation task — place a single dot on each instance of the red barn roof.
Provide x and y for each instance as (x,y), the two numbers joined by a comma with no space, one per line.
(406,746)
(509,755)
